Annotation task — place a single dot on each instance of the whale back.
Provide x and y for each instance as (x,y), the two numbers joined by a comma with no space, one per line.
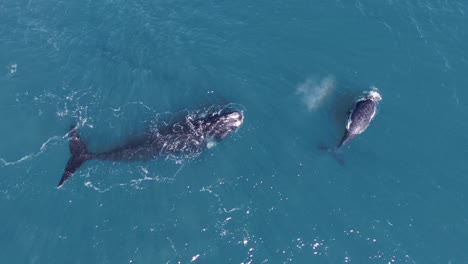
(361,116)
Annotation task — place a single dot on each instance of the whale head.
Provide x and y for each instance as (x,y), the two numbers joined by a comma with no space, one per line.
(221,125)
(374,95)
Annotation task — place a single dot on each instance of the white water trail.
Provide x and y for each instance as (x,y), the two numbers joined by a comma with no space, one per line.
(4,163)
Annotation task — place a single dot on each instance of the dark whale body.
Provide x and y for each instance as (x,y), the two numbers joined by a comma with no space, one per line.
(191,135)
(360,117)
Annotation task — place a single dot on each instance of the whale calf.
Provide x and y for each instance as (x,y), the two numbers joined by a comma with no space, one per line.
(360,117)
(189,136)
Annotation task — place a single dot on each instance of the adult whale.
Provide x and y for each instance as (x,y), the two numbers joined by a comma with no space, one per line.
(360,117)
(191,135)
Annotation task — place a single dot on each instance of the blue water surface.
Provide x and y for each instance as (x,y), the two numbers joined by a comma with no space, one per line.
(268,193)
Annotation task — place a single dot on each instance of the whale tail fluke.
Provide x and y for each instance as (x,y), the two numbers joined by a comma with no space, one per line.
(79,154)
(335,151)
(338,155)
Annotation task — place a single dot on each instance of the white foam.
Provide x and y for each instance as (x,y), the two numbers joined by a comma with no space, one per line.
(32,155)
(315,90)
(13,68)
(90,185)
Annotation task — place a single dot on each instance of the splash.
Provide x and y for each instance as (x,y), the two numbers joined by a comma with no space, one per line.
(314,90)
(13,68)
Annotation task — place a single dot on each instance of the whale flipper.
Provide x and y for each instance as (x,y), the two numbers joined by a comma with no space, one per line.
(79,154)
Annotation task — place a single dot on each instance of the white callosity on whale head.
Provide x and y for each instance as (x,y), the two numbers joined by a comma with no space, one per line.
(236,118)
(221,125)
(374,95)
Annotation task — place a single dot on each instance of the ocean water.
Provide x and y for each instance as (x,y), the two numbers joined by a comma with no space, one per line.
(266,194)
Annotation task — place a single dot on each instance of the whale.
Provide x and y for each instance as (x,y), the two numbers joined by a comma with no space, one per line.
(360,116)
(191,135)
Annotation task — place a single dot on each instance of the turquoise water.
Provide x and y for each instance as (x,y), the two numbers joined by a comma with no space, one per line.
(267,194)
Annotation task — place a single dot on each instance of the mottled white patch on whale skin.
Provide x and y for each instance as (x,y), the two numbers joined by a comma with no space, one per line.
(210,144)
(348,125)
(237,123)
